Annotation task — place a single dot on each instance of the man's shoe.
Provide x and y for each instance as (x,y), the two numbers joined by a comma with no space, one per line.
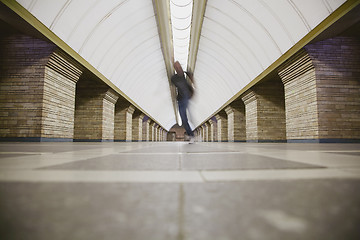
(192,140)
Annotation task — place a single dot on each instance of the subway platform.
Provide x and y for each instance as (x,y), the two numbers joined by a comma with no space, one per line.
(176,190)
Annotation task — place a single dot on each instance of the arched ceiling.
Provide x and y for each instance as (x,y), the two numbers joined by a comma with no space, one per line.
(236,42)
(120,39)
(240,39)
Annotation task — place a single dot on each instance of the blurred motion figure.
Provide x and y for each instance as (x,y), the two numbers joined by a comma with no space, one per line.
(185,91)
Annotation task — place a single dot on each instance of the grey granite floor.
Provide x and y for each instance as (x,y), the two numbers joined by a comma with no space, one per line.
(217,191)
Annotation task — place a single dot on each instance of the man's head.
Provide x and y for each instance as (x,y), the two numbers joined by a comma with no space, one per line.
(178,68)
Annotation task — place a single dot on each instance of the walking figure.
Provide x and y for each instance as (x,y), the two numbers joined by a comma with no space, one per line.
(185,91)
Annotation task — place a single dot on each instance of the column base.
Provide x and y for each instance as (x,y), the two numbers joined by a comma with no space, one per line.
(93,140)
(324,140)
(266,141)
(34,139)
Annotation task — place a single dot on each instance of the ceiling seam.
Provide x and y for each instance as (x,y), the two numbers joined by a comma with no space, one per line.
(54,22)
(117,40)
(240,40)
(259,23)
(232,56)
(107,15)
(278,20)
(299,13)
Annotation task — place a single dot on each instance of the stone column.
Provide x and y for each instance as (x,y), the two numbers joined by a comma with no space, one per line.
(165,135)
(158,129)
(212,131)
(153,134)
(137,127)
(94,110)
(236,122)
(322,90)
(265,112)
(206,131)
(123,121)
(108,123)
(200,134)
(37,89)
(161,134)
(222,131)
(146,130)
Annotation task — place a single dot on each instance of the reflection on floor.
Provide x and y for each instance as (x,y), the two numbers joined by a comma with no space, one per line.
(177,190)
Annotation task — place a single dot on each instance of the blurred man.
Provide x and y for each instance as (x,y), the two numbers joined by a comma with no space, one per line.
(185,91)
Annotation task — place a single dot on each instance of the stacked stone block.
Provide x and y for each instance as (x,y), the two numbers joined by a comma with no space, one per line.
(146,130)
(206,130)
(322,91)
(265,112)
(152,132)
(108,115)
(222,132)
(123,121)
(299,79)
(94,110)
(236,121)
(37,90)
(212,131)
(161,134)
(198,134)
(137,127)
(337,68)
(158,134)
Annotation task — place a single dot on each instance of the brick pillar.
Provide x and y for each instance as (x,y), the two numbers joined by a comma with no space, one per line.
(165,135)
(222,131)
(322,90)
(123,121)
(94,110)
(157,133)
(129,113)
(265,112)
(152,132)
(37,90)
(137,126)
(206,129)
(201,129)
(230,116)
(108,117)
(146,130)
(158,129)
(236,122)
(161,130)
(212,131)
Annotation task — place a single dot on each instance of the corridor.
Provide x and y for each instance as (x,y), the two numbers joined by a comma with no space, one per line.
(175,190)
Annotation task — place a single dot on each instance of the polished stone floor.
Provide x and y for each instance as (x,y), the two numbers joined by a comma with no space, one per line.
(180,191)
